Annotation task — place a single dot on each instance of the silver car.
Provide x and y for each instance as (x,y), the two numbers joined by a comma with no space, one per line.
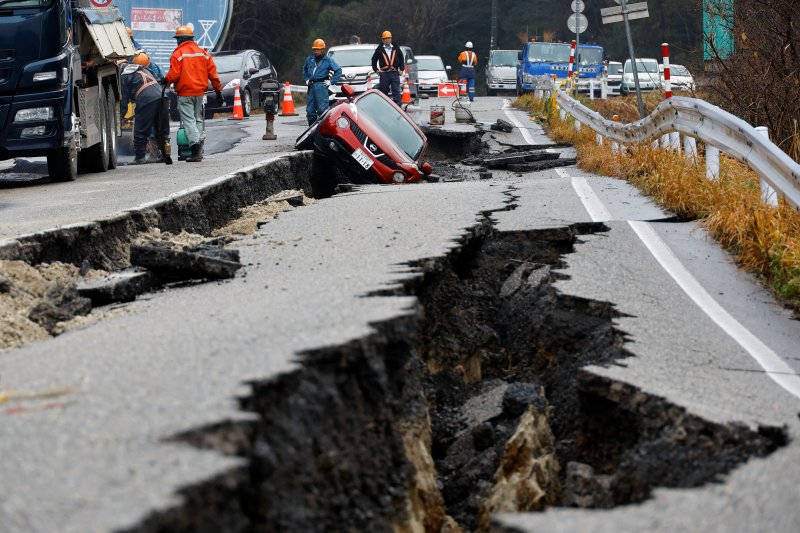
(649,76)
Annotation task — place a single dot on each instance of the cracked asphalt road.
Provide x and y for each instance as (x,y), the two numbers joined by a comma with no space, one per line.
(178,360)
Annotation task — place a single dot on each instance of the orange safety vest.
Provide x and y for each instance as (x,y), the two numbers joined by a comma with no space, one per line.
(147,81)
(468,59)
(389,62)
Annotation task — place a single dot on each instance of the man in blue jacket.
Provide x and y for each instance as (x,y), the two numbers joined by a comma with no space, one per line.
(319,73)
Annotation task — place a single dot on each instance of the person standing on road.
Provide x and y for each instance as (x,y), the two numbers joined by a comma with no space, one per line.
(319,73)
(190,69)
(141,87)
(388,61)
(468,61)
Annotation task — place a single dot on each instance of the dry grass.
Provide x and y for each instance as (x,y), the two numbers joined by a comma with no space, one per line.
(765,239)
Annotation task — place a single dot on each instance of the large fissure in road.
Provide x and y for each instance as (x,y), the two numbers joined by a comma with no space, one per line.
(474,403)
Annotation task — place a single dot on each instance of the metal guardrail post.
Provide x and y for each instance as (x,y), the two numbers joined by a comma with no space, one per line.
(768,194)
(690,148)
(712,162)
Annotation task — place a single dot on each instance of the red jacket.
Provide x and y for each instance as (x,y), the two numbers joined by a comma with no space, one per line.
(190,69)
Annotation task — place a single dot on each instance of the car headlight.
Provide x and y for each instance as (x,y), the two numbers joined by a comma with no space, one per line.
(34,113)
(398,177)
(232,84)
(343,123)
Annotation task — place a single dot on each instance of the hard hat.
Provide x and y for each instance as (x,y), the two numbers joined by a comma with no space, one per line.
(183,31)
(141,59)
(469,44)
(130,32)
(319,44)
(386,35)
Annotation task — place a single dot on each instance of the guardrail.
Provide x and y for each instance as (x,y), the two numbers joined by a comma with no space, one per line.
(704,122)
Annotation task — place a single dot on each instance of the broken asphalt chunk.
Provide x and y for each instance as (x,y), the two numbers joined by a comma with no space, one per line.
(502,125)
(122,286)
(201,262)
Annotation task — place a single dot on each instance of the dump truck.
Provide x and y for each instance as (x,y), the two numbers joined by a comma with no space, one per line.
(59,83)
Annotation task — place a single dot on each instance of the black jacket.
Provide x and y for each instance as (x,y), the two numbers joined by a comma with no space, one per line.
(139,86)
(382,63)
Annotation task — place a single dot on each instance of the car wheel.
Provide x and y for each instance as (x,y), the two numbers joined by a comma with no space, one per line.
(247,103)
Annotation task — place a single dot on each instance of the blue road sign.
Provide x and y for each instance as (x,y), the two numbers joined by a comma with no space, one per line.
(154,22)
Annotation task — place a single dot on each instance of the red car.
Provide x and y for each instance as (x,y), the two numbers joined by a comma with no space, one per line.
(370,138)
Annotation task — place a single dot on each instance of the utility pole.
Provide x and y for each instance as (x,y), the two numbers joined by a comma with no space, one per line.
(634,66)
(493,39)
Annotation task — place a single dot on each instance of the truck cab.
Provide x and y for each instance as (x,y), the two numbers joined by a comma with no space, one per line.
(539,61)
(501,71)
(59,83)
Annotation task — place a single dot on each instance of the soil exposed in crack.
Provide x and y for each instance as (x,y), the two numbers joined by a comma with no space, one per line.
(473,404)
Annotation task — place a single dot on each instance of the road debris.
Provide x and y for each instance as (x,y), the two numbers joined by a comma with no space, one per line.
(114,287)
(199,262)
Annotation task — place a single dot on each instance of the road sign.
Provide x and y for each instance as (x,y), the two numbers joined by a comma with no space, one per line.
(578,6)
(615,14)
(448,89)
(577,23)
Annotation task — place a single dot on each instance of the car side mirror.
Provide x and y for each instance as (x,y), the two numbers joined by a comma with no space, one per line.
(348,90)
(253,71)
(426,168)
(409,62)
(448,67)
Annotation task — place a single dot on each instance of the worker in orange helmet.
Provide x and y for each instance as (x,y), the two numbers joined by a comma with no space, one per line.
(388,62)
(190,70)
(320,72)
(468,61)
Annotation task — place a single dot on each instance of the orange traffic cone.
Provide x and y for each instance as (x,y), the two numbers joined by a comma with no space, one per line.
(287,109)
(406,98)
(462,88)
(238,111)
(369,84)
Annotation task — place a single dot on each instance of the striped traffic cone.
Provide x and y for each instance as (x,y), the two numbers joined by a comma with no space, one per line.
(238,111)
(406,97)
(287,109)
(462,88)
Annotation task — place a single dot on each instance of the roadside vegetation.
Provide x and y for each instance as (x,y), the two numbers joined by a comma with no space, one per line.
(764,239)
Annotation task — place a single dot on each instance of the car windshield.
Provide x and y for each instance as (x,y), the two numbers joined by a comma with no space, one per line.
(352,58)
(615,69)
(9,4)
(679,70)
(548,53)
(504,58)
(590,56)
(430,63)
(387,117)
(643,66)
(228,63)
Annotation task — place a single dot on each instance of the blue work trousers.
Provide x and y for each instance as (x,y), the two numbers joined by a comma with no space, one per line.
(317,102)
(391,81)
(468,74)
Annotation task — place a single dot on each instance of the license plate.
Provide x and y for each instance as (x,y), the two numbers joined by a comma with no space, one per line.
(362,158)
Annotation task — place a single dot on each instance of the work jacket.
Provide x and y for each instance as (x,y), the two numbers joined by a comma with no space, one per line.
(325,68)
(468,58)
(139,86)
(383,62)
(190,69)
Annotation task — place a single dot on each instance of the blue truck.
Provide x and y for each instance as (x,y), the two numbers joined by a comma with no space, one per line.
(540,60)
(59,83)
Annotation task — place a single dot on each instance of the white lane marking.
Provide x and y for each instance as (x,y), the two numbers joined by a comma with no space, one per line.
(596,209)
(775,367)
(522,129)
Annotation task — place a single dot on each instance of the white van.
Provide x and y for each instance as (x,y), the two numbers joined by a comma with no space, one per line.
(356,63)
(649,76)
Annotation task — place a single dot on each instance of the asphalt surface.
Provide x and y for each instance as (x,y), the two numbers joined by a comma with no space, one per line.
(177,360)
(30,203)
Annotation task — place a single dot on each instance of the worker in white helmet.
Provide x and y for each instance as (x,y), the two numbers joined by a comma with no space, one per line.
(468,61)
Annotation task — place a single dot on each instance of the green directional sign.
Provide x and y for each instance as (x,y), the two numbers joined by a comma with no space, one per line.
(717,29)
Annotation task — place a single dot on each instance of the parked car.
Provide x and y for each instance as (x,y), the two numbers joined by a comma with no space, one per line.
(370,139)
(245,68)
(614,77)
(356,63)
(501,71)
(649,77)
(432,72)
(680,78)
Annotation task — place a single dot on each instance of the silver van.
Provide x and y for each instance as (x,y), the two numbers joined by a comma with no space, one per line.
(501,71)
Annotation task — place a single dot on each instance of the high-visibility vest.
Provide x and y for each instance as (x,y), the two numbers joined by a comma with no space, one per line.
(389,61)
(470,59)
(147,81)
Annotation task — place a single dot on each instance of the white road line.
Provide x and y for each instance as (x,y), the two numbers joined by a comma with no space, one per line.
(522,129)
(775,367)
(596,209)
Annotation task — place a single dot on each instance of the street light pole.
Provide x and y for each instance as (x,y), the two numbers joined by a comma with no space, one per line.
(634,66)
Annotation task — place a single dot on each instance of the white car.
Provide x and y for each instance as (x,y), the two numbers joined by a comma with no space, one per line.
(432,72)
(356,63)
(680,78)
(649,76)
(614,77)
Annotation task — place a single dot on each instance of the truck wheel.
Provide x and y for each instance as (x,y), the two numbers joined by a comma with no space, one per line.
(95,158)
(62,165)
(113,123)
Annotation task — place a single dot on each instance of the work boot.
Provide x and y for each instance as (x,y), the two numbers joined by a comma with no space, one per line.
(140,155)
(197,153)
